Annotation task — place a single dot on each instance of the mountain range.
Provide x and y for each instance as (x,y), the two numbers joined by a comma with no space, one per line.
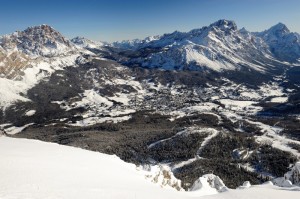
(217,99)
(220,46)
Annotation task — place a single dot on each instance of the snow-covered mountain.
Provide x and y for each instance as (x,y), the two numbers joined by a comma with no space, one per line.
(219,47)
(37,41)
(87,43)
(283,43)
(23,49)
(32,55)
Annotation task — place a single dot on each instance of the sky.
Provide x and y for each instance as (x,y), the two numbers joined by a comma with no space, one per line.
(115,20)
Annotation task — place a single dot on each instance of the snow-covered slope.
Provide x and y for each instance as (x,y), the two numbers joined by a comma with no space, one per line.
(34,169)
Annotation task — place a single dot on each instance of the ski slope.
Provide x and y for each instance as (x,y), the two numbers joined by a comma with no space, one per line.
(33,170)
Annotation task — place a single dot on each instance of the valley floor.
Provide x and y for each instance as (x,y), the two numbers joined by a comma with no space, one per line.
(34,169)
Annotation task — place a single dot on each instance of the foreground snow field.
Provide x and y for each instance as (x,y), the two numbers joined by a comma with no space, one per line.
(33,169)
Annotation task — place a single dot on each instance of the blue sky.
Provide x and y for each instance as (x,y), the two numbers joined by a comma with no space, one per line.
(110,20)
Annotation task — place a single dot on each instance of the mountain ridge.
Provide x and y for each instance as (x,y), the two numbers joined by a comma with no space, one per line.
(219,46)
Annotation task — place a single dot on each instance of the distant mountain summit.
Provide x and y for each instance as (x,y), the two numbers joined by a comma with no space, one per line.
(285,45)
(23,49)
(225,25)
(36,41)
(135,43)
(86,43)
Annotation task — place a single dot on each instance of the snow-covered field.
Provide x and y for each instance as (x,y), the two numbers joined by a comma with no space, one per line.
(33,169)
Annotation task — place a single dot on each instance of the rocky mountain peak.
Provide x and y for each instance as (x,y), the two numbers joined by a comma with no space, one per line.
(44,29)
(45,32)
(35,41)
(223,24)
(243,30)
(283,44)
(23,49)
(279,29)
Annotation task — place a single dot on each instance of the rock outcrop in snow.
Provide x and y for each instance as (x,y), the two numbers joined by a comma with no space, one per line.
(246,184)
(294,174)
(163,176)
(291,178)
(209,182)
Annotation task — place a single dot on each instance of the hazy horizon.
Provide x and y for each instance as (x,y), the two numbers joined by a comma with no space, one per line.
(117,20)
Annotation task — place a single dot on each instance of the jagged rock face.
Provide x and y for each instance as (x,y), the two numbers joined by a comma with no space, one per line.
(37,41)
(11,63)
(285,45)
(225,25)
(163,176)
